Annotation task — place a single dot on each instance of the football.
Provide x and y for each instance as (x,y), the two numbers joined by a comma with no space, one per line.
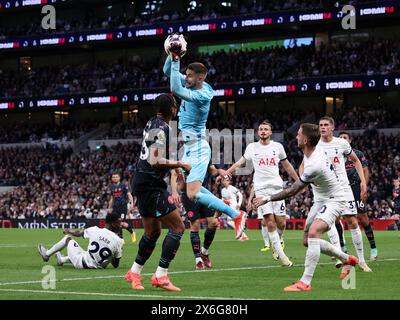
(175,43)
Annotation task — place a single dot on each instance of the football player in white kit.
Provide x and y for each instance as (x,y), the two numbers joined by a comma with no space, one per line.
(337,150)
(233,198)
(329,202)
(105,246)
(266,156)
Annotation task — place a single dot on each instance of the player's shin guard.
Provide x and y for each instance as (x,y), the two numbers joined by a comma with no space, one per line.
(356,236)
(334,238)
(209,235)
(146,248)
(330,250)
(58,246)
(170,247)
(196,243)
(339,228)
(206,198)
(370,235)
(312,258)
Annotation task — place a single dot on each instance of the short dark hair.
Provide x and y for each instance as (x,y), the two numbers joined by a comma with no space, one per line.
(345,132)
(328,118)
(111,218)
(311,131)
(116,174)
(198,67)
(163,103)
(266,123)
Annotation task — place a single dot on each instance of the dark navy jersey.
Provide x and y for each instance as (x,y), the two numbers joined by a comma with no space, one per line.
(155,134)
(396,199)
(119,193)
(351,169)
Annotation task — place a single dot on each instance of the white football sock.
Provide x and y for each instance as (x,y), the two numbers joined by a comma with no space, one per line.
(312,258)
(199,260)
(330,250)
(280,232)
(57,247)
(334,237)
(136,268)
(204,251)
(344,238)
(65,259)
(356,236)
(276,243)
(230,223)
(264,232)
(160,272)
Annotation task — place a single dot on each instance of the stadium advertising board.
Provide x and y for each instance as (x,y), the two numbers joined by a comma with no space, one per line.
(356,83)
(252,224)
(382,9)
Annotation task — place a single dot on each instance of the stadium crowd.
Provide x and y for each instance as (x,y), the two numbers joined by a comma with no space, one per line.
(31,133)
(92,20)
(266,64)
(55,183)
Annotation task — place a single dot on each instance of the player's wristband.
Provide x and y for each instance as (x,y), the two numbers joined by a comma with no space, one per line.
(267,198)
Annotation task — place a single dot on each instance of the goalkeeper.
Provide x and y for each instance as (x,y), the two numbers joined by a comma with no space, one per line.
(196,97)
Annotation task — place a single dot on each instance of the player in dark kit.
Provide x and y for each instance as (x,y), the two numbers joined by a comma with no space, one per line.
(194,212)
(155,205)
(362,216)
(121,197)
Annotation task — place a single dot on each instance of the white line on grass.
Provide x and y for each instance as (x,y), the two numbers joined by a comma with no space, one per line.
(122,294)
(180,272)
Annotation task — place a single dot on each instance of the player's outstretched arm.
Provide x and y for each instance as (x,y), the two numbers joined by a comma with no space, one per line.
(198,97)
(158,161)
(74,233)
(289,169)
(238,164)
(287,193)
(167,70)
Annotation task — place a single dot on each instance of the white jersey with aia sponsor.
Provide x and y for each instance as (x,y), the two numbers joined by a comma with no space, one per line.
(337,150)
(266,160)
(320,173)
(103,246)
(230,196)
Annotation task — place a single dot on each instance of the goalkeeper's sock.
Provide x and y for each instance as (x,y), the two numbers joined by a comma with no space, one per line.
(206,198)
(129,229)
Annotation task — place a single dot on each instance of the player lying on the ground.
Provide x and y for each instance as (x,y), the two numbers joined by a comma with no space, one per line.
(196,96)
(155,204)
(329,203)
(105,246)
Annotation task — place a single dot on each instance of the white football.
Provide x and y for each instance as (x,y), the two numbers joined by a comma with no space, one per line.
(175,39)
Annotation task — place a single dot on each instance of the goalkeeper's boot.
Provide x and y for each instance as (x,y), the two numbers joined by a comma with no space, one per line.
(351,262)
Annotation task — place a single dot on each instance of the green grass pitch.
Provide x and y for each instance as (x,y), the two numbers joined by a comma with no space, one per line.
(240,271)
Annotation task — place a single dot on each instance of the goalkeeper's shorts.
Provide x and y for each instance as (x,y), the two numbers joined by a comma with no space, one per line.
(198,154)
